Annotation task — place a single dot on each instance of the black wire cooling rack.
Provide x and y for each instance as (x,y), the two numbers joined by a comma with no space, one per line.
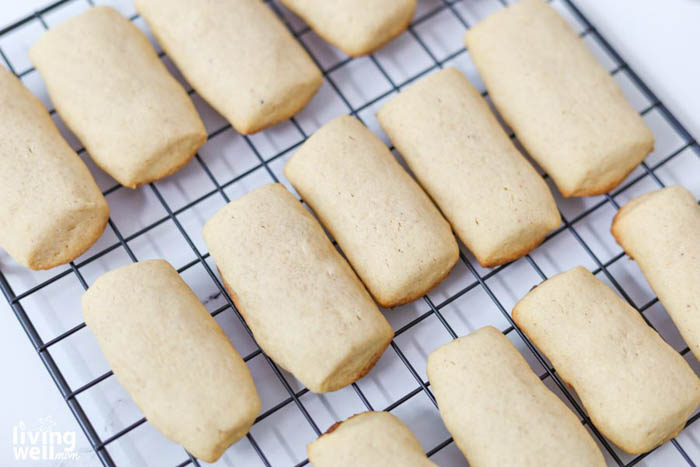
(101,445)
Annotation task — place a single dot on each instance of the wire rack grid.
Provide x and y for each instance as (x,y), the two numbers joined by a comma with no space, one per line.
(163,219)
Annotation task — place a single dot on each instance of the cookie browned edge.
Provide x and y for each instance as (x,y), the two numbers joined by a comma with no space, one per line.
(361,53)
(373,361)
(605,188)
(332,428)
(396,33)
(76,252)
(614,229)
(234,298)
(425,291)
(336,425)
(173,169)
(513,256)
(249,130)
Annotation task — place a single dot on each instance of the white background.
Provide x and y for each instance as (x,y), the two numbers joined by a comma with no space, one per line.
(658,44)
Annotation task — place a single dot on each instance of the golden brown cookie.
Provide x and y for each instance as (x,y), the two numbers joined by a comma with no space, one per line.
(172,357)
(109,86)
(357,27)
(638,391)
(378,439)
(306,307)
(564,107)
(388,228)
(51,210)
(238,56)
(661,231)
(497,203)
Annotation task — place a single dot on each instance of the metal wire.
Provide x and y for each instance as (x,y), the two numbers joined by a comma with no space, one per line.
(479,281)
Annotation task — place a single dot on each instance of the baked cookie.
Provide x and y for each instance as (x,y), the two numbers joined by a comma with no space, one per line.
(109,86)
(390,231)
(637,390)
(499,412)
(172,357)
(237,55)
(661,231)
(497,203)
(378,439)
(306,307)
(51,210)
(357,27)
(564,107)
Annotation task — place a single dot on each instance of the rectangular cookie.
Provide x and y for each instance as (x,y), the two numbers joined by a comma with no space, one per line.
(306,307)
(638,391)
(564,107)
(357,27)
(499,412)
(497,203)
(238,56)
(172,357)
(109,86)
(661,231)
(377,439)
(390,231)
(51,209)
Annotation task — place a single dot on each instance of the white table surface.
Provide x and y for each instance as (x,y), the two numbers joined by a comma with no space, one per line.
(659,44)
